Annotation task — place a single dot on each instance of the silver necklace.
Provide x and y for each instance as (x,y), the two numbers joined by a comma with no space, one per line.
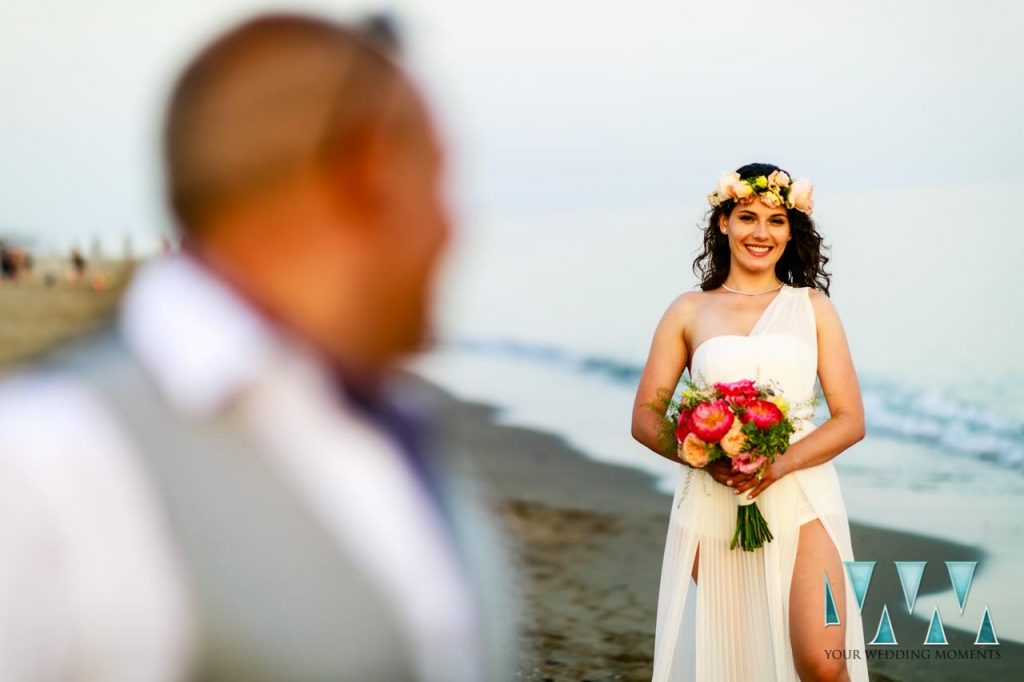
(753,293)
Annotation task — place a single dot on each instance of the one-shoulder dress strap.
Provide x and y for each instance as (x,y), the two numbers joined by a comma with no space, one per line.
(792,313)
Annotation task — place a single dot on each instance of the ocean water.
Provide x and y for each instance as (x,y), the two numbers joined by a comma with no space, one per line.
(549,317)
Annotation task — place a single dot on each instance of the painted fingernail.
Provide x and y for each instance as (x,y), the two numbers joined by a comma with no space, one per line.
(750,497)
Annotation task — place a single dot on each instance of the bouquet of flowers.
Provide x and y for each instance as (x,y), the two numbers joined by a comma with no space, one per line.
(741,420)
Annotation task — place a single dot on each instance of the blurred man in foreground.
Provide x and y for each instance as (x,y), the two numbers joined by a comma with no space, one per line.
(230,486)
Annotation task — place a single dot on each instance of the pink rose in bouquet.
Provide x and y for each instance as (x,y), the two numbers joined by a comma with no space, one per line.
(748,463)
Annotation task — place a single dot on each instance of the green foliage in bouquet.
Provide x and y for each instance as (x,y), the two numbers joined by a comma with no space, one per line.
(667,406)
(769,442)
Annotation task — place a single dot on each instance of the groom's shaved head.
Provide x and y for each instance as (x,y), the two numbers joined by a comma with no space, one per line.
(304,168)
(273,97)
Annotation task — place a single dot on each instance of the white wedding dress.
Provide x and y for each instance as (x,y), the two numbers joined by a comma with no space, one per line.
(733,625)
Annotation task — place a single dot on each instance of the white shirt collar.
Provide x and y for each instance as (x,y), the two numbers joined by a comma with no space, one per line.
(201,342)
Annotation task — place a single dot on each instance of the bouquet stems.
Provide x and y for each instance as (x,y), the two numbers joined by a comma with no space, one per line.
(751,528)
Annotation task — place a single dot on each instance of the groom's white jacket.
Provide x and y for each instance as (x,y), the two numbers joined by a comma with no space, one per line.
(94,583)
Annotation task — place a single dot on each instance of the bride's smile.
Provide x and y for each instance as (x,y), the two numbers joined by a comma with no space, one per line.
(759,251)
(757,234)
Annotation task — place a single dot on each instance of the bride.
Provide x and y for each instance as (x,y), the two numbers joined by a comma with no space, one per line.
(728,614)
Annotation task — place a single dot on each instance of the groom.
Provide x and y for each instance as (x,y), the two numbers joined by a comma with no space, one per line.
(234,485)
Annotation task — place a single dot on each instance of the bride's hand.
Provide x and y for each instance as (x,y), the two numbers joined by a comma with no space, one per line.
(772,473)
(721,470)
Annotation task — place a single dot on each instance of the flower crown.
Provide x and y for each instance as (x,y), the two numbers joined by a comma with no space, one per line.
(773,190)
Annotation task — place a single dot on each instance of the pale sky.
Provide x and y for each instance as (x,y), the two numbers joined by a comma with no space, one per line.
(548,106)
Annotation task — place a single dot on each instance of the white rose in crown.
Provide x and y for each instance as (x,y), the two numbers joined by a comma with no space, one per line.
(778,179)
(771,199)
(741,190)
(801,196)
(725,183)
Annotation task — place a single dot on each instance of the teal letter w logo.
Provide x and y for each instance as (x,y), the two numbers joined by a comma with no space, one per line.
(961,573)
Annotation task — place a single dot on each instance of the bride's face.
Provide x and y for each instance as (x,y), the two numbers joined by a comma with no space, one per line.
(757,235)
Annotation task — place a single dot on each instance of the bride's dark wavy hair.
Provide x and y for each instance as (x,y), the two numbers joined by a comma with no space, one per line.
(802,263)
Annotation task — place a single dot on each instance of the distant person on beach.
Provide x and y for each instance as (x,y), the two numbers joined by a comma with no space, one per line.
(7,265)
(77,264)
(234,483)
(15,263)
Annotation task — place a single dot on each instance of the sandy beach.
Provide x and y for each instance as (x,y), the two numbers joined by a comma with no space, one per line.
(35,317)
(588,539)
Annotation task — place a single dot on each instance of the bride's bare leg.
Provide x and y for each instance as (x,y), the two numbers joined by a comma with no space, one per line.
(696,559)
(817,649)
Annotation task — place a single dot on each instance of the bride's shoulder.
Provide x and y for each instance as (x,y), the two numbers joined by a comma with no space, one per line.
(691,297)
(684,306)
(687,301)
(819,299)
(825,313)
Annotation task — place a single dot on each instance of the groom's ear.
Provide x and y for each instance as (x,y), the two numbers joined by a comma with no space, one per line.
(366,172)
(357,173)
